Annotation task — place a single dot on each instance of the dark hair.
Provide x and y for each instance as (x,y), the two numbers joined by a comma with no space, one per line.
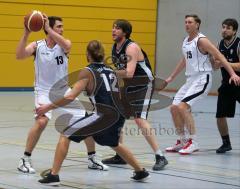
(124,25)
(231,22)
(52,20)
(195,17)
(95,50)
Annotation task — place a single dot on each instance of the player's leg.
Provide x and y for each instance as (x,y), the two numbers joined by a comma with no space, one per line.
(199,89)
(77,111)
(116,159)
(223,130)
(179,126)
(25,163)
(191,145)
(186,115)
(35,133)
(52,177)
(110,137)
(149,134)
(93,160)
(226,105)
(140,174)
(178,120)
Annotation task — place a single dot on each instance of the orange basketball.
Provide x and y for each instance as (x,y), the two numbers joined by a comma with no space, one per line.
(34,21)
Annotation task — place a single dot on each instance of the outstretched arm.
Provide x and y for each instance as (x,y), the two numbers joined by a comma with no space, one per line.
(207,46)
(235,66)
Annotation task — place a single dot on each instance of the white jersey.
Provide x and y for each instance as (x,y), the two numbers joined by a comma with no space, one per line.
(51,65)
(196,61)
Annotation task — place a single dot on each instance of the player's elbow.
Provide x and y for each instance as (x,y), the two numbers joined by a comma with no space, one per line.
(21,54)
(70,97)
(130,73)
(67,48)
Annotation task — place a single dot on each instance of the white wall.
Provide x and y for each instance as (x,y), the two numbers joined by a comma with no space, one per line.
(170,30)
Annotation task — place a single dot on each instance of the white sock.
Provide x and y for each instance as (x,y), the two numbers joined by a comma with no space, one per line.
(26,157)
(193,137)
(159,152)
(91,156)
(183,139)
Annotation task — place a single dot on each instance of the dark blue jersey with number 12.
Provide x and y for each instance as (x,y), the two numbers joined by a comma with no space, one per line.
(105,84)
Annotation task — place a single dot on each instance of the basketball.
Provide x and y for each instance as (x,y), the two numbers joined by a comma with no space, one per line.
(34,21)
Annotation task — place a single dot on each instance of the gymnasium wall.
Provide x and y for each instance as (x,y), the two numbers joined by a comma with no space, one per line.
(171,31)
(83,21)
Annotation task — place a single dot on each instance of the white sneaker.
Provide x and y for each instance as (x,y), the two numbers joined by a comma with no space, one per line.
(178,146)
(190,147)
(25,165)
(94,163)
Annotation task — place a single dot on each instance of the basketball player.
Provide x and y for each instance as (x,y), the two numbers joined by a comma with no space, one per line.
(51,64)
(196,49)
(132,62)
(100,82)
(228,94)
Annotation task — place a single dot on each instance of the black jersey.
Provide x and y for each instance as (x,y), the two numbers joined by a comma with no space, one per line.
(136,92)
(120,59)
(105,84)
(231,54)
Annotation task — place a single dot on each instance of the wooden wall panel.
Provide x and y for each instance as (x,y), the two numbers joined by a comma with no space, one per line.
(83,21)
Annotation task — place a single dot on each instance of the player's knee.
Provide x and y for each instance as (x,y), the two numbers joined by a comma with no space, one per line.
(221,120)
(63,140)
(173,109)
(116,147)
(184,108)
(140,122)
(42,122)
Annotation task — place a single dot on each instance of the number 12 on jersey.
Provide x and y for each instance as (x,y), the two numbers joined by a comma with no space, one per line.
(113,84)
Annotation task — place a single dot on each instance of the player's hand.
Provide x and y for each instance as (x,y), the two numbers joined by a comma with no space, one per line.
(236,79)
(26,30)
(42,109)
(162,84)
(46,22)
(169,79)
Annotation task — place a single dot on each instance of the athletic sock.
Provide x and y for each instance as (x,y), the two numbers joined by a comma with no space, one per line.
(226,139)
(193,137)
(27,154)
(91,153)
(159,152)
(183,139)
